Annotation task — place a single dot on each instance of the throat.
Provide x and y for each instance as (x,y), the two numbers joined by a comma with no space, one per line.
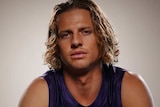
(85,89)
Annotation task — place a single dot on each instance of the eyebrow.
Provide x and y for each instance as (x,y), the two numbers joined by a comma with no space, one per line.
(63,31)
(83,28)
(80,29)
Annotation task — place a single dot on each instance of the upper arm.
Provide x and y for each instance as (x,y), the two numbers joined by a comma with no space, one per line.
(36,95)
(135,92)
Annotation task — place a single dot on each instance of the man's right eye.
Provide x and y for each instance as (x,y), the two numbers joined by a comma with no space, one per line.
(64,35)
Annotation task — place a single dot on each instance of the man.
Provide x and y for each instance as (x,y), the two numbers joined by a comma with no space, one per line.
(81,51)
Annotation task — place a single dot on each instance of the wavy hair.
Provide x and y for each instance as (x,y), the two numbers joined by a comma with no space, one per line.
(107,42)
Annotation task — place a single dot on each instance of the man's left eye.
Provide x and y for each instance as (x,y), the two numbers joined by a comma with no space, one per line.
(86,32)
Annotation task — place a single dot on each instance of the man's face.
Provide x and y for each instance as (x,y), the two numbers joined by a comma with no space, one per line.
(77,40)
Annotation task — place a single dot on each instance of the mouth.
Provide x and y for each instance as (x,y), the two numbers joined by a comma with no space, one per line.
(78,55)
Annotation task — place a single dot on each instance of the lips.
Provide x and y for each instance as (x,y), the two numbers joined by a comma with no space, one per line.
(78,55)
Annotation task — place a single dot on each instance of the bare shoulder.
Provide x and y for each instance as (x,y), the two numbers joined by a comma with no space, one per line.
(36,95)
(135,92)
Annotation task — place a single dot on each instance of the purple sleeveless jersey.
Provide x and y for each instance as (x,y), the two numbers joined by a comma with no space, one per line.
(109,94)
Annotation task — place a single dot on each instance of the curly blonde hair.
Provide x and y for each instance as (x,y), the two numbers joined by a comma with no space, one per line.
(107,42)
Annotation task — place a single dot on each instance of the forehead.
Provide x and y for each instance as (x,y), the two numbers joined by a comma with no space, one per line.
(74,16)
(63,12)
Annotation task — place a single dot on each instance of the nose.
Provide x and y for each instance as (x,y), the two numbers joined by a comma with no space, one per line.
(76,41)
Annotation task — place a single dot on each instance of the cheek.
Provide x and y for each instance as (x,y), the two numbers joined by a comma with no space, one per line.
(95,43)
(96,47)
(63,49)
(62,53)
(93,46)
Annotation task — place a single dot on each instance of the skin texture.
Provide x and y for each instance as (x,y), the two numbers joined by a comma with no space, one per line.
(36,95)
(77,41)
(82,69)
(135,92)
(79,54)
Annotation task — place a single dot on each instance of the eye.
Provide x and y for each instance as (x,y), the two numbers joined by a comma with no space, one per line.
(86,32)
(64,35)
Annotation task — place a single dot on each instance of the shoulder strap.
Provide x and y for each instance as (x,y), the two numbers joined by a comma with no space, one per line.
(53,80)
(114,77)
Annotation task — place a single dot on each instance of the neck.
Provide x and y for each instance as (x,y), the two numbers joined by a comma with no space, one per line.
(85,88)
(82,76)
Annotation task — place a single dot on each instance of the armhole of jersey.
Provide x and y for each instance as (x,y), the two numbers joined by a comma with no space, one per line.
(47,77)
(120,73)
